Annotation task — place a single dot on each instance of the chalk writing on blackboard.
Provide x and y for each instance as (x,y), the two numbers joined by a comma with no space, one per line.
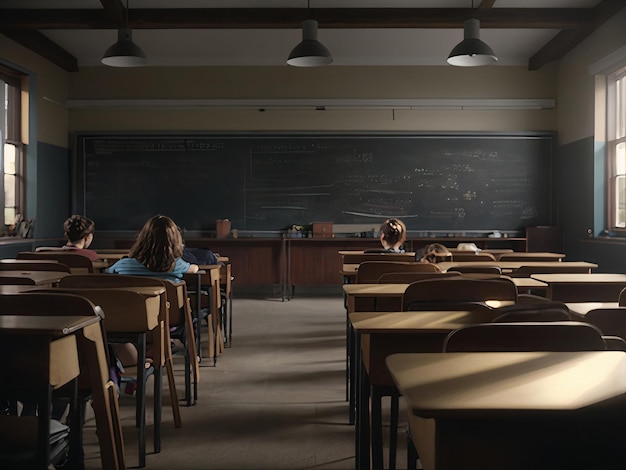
(270,181)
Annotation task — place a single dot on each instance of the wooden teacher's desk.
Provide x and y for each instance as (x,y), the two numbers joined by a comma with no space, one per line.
(515,410)
(379,334)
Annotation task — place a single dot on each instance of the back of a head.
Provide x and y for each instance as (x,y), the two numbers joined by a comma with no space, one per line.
(78,227)
(433,253)
(158,244)
(393,233)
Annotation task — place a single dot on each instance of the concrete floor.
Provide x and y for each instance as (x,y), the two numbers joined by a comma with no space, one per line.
(275,400)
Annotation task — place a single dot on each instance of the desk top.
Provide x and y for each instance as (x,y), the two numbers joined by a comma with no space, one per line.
(582,308)
(398,289)
(459,384)
(45,324)
(571,278)
(414,322)
(39,277)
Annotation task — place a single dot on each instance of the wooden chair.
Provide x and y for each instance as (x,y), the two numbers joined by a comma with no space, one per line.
(33,265)
(169,308)
(409,277)
(77,263)
(93,381)
(128,318)
(358,258)
(469,256)
(16,281)
(477,269)
(611,321)
(370,271)
(205,286)
(525,336)
(537,312)
(457,289)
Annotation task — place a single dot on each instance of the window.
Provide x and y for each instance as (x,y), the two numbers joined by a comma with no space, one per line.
(616,149)
(11,147)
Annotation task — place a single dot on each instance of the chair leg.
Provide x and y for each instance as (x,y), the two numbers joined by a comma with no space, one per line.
(158,407)
(411,451)
(169,367)
(393,431)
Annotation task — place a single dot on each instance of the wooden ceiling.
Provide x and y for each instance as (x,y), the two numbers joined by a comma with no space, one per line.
(25,26)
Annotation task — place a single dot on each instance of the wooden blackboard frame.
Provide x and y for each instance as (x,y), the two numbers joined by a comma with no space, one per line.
(247,188)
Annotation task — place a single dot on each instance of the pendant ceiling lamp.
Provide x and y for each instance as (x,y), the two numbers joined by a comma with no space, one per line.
(471,51)
(310,52)
(124,53)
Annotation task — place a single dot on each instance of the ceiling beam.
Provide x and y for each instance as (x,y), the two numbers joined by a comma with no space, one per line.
(291,18)
(41,45)
(567,39)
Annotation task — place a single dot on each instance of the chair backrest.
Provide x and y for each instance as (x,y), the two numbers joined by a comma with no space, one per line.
(469,256)
(370,271)
(458,289)
(33,265)
(611,321)
(622,298)
(409,277)
(75,261)
(537,312)
(525,336)
(358,258)
(549,268)
(16,281)
(477,269)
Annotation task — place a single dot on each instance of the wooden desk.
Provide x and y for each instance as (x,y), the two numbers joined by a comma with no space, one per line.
(596,287)
(511,266)
(52,340)
(377,335)
(532,254)
(206,283)
(514,411)
(580,309)
(40,278)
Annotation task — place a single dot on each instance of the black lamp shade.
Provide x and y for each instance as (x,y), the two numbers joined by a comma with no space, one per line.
(310,52)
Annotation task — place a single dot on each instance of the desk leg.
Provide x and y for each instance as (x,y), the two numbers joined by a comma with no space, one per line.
(362,452)
(141,398)
(352,371)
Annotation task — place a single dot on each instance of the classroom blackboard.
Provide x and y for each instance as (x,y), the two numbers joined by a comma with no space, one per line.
(270,181)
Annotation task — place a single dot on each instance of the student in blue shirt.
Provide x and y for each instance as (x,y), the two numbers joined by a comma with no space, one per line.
(157,252)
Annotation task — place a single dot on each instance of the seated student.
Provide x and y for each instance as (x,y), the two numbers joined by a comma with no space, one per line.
(433,253)
(78,232)
(393,235)
(157,252)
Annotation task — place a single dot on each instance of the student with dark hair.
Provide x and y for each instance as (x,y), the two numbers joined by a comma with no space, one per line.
(157,252)
(79,232)
(393,235)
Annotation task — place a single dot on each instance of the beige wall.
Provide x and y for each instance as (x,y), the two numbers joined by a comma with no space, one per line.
(576,88)
(50,92)
(99,83)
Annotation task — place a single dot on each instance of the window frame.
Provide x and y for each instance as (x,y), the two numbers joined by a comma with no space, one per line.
(11,133)
(615,135)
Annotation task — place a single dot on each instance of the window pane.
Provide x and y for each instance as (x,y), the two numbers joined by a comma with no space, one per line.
(9,190)
(620,128)
(620,159)
(620,198)
(9,158)
(9,215)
